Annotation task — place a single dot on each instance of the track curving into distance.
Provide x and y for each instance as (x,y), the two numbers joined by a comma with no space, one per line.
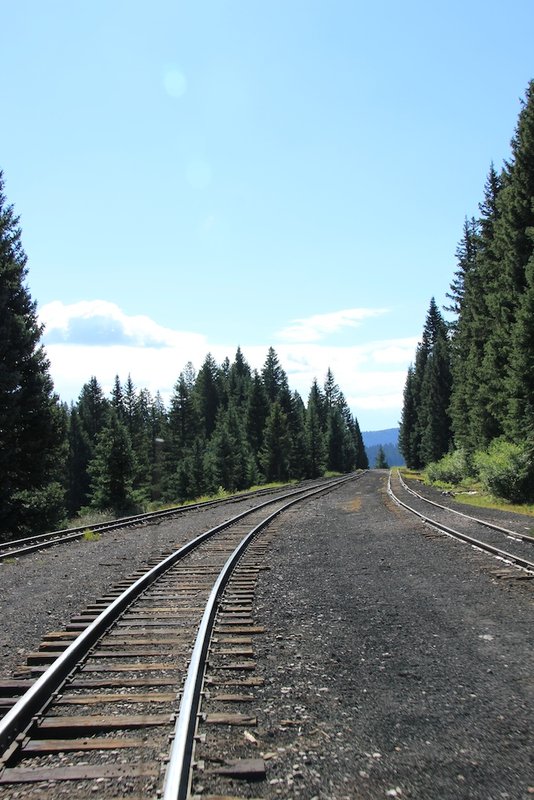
(106,706)
(472,530)
(29,544)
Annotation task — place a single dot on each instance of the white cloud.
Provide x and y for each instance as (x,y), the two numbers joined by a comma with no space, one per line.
(371,375)
(98,322)
(316,327)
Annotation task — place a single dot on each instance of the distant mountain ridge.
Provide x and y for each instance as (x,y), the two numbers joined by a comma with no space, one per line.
(389,439)
(387,436)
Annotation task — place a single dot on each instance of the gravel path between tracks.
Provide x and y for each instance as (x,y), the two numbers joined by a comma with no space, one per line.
(396,663)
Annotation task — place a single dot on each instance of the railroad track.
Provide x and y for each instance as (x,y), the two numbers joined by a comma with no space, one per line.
(477,532)
(20,547)
(93,712)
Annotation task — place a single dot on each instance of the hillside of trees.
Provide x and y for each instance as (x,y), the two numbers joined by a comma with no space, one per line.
(227,426)
(390,453)
(386,439)
(469,395)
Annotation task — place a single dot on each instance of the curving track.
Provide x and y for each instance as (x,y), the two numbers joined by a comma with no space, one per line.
(105,708)
(20,547)
(510,545)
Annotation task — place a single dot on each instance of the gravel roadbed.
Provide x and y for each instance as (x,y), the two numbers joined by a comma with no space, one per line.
(396,664)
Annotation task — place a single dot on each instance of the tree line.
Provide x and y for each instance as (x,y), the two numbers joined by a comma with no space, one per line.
(471,387)
(227,426)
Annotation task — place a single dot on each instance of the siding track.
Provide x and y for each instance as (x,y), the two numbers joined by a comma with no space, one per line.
(475,531)
(19,547)
(97,721)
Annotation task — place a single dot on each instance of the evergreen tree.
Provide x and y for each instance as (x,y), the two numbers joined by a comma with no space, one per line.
(297,433)
(466,260)
(335,441)
(331,390)
(475,343)
(93,409)
(435,399)
(362,461)
(421,358)
(252,439)
(183,419)
(518,224)
(112,469)
(230,460)
(141,437)
(408,422)
(276,451)
(158,434)
(354,453)
(191,477)
(129,402)
(206,395)
(381,461)
(506,266)
(425,433)
(79,455)
(32,423)
(315,444)
(273,376)
(117,399)
(239,380)
(256,413)
(317,398)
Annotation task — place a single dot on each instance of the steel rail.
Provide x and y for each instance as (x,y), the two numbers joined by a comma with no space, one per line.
(40,541)
(177,778)
(37,697)
(517,561)
(513,534)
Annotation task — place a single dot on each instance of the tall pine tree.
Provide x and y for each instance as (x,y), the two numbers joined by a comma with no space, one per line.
(32,423)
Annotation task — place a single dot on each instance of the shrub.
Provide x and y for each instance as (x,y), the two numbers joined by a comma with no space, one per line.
(91,536)
(507,470)
(452,468)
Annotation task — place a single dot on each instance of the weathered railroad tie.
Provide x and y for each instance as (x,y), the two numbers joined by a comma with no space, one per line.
(107,728)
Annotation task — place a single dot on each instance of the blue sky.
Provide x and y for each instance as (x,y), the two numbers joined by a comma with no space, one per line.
(191,177)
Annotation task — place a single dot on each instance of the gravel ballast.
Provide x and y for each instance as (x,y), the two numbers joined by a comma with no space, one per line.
(41,591)
(404,668)
(396,664)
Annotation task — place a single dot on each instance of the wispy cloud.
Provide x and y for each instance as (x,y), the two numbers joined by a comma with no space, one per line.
(318,326)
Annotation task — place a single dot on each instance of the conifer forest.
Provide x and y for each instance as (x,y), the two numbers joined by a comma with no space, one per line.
(468,409)
(226,427)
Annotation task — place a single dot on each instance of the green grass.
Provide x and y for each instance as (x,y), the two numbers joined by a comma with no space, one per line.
(410,474)
(487,501)
(91,536)
(221,494)
(90,517)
